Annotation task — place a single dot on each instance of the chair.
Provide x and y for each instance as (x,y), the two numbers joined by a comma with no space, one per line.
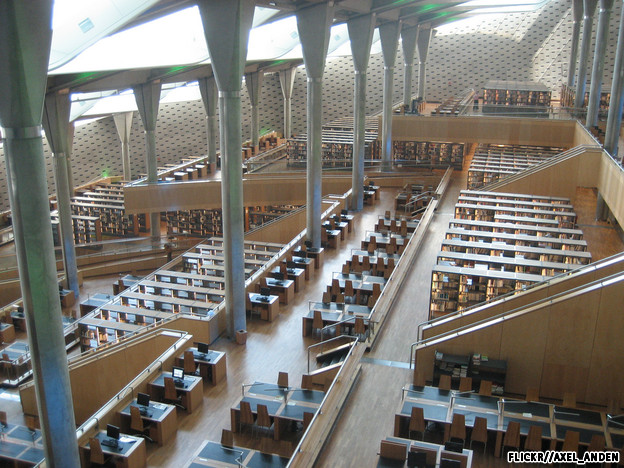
(458,428)
(306,382)
(512,436)
(263,420)
(485,388)
(445,382)
(282,379)
(345,269)
(317,321)
(171,394)
(359,328)
(31,424)
(571,441)
(327,297)
(465,384)
(96,455)
(416,459)
(479,432)
(393,450)
(532,394)
(137,424)
(533,442)
(419,379)
(569,400)
(246,416)
(227,438)
(189,363)
(349,291)
(4,424)
(307,419)
(417,422)
(448,463)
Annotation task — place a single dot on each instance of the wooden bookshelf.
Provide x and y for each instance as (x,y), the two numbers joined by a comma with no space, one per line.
(524,97)
(429,154)
(336,148)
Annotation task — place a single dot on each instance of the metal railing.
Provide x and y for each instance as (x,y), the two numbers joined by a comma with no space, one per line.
(369,330)
(323,343)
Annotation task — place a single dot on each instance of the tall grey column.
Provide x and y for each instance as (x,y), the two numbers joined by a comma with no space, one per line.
(25,37)
(313,24)
(602,33)
(253,81)
(147,97)
(123,124)
(56,123)
(389,35)
(408,43)
(589,8)
(208,90)
(287,81)
(577,16)
(70,143)
(361,31)
(616,106)
(226,27)
(425,32)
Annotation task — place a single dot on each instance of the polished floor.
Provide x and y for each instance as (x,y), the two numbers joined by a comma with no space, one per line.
(279,346)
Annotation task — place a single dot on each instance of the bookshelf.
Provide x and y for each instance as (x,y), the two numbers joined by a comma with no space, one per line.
(336,149)
(525,97)
(476,366)
(429,154)
(449,364)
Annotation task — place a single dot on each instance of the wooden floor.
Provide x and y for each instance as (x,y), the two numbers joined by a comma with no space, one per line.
(279,346)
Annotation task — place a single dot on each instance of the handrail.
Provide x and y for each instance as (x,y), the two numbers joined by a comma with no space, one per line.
(419,197)
(554,299)
(332,325)
(560,276)
(336,338)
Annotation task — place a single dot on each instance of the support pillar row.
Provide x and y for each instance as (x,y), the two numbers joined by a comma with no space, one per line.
(147,97)
(226,27)
(313,24)
(589,8)
(209,94)
(389,35)
(25,38)
(577,16)
(616,106)
(425,32)
(361,31)
(602,33)
(123,124)
(253,81)
(287,81)
(409,35)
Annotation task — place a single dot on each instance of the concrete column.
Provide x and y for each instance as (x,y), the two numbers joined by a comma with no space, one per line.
(409,35)
(147,97)
(56,123)
(25,37)
(287,81)
(425,33)
(123,124)
(389,35)
(253,81)
(226,27)
(361,31)
(70,143)
(616,106)
(589,8)
(209,94)
(602,33)
(313,24)
(577,16)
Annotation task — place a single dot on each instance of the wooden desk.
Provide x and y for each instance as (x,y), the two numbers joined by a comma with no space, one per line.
(306,263)
(213,454)
(333,312)
(285,289)
(420,446)
(269,309)
(192,393)
(333,237)
(349,220)
(295,274)
(20,447)
(68,298)
(212,365)
(19,320)
(161,418)
(7,332)
(317,255)
(93,303)
(131,452)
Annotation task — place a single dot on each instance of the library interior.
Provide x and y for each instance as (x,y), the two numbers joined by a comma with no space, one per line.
(296,233)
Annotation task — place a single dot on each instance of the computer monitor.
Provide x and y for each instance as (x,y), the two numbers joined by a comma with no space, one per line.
(265,291)
(202,348)
(308,243)
(344,212)
(178,373)
(143,399)
(278,276)
(112,432)
(452,446)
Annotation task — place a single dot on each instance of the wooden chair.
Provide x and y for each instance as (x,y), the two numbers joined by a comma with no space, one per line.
(348,290)
(417,422)
(479,432)
(96,455)
(532,394)
(458,428)
(340,298)
(465,384)
(327,297)
(345,269)
(419,379)
(445,382)
(569,400)
(171,394)
(393,450)
(189,363)
(359,329)
(137,425)
(306,382)
(571,441)
(32,425)
(533,442)
(485,388)
(227,438)
(317,321)
(282,379)
(366,265)
(512,436)
(307,419)
(246,416)
(263,420)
